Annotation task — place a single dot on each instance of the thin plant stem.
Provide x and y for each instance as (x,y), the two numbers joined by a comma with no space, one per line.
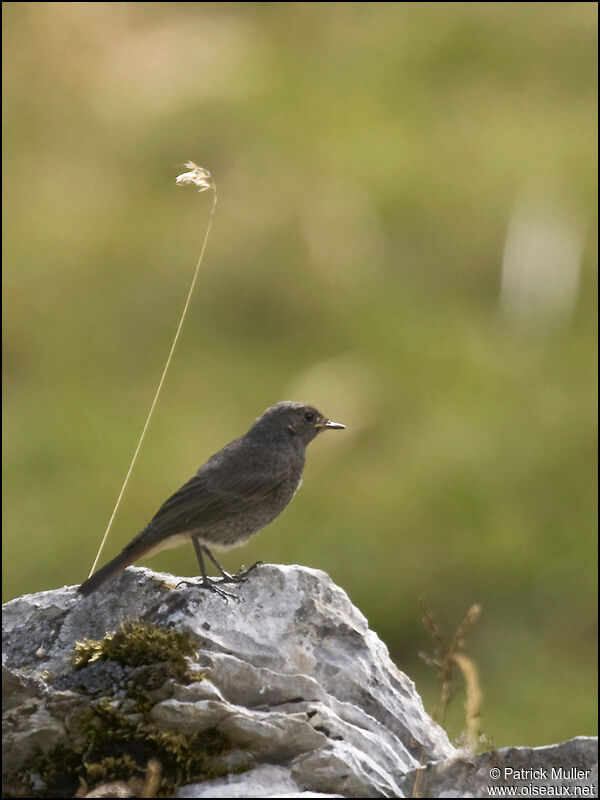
(201,178)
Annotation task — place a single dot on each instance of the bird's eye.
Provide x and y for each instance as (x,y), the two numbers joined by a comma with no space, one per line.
(309,416)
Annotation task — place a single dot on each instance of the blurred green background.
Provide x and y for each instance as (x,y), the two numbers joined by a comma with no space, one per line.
(405,237)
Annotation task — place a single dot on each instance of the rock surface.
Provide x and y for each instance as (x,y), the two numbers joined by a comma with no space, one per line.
(569,769)
(292,676)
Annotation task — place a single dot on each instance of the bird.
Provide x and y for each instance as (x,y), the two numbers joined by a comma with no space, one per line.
(239,490)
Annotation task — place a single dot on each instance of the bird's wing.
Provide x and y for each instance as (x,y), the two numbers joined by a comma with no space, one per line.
(220,487)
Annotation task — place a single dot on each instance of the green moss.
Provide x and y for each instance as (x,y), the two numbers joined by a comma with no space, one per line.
(138,643)
(110,748)
(109,745)
(111,769)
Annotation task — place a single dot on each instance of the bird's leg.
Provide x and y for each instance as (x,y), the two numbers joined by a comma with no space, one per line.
(207,583)
(239,576)
(226,576)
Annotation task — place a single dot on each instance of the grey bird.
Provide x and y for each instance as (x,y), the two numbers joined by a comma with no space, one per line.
(238,491)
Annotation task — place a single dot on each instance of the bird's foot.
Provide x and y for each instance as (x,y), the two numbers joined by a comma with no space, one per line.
(241,575)
(211,585)
(243,572)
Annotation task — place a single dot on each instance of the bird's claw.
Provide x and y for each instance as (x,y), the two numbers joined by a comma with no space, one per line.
(241,575)
(211,585)
(243,572)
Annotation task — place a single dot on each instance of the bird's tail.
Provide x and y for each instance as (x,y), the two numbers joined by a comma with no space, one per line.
(131,553)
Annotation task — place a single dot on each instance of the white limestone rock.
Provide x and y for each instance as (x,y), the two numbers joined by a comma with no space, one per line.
(568,769)
(305,692)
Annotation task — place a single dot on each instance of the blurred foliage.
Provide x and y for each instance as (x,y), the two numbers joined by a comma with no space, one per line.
(368,158)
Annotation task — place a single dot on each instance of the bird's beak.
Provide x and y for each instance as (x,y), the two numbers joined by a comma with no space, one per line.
(329,424)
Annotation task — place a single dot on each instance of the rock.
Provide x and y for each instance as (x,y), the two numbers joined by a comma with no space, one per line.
(304,694)
(569,769)
(266,780)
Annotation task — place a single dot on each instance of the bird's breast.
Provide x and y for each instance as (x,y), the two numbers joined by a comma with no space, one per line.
(234,528)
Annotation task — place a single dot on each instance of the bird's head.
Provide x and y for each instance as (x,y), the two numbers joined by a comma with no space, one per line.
(298,421)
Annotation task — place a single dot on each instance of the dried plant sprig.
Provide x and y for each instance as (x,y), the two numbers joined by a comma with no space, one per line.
(446,655)
(200,177)
(474,697)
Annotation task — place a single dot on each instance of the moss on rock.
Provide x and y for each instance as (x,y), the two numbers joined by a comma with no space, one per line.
(137,643)
(113,737)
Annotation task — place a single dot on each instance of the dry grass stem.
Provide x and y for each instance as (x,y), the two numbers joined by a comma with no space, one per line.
(474,697)
(446,655)
(203,180)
